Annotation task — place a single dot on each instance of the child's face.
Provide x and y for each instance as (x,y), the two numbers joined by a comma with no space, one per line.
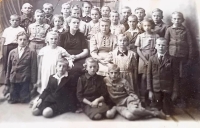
(177,19)
(14,21)
(157,17)
(58,22)
(65,9)
(147,26)
(104,27)
(61,68)
(132,22)
(47,9)
(95,15)
(161,46)
(92,68)
(76,13)
(114,17)
(22,41)
(86,8)
(113,74)
(140,14)
(27,9)
(74,24)
(39,17)
(122,42)
(52,40)
(105,12)
(126,13)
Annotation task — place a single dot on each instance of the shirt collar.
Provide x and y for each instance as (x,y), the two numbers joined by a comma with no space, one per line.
(84,15)
(39,24)
(160,24)
(122,53)
(159,55)
(136,30)
(113,81)
(108,35)
(21,48)
(180,27)
(57,77)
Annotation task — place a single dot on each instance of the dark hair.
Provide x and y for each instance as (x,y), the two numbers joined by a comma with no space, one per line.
(150,21)
(87,2)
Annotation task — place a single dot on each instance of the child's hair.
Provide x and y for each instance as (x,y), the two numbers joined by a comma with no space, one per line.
(126,7)
(158,10)
(113,67)
(21,34)
(178,13)
(87,2)
(123,36)
(48,4)
(90,60)
(16,16)
(133,16)
(150,21)
(139,8)
(28,4)
(67,3)
(114,11)
(69,19)
(106,7)
(75,8)
(62,60)
(51,33)
(162,39)
(39,11)
(96,9)
(59,17)
(105,19)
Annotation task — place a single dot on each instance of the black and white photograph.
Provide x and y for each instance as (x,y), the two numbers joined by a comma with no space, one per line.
(99,63)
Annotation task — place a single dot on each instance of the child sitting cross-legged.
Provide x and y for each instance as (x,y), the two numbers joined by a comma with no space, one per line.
(126,101)
(91,91)
(60,95)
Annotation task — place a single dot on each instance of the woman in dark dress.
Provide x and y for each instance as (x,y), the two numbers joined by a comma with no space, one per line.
(75,44)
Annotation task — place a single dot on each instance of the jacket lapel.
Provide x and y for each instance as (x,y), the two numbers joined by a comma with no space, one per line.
(16,55)
(165,60)
(24,54)
(62,82)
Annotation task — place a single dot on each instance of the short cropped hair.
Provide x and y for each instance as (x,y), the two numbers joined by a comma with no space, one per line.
(113,67)
(105,19)
(31,6)
(62,59)
(158,10)
(133,16)
(69,19)
(16,16)
(150,21)
(139,8)
(75,8)
(96,9)
(22,34)
(48,4)
(178,13)
(162,39)
(51,33)
(123,36)
(90,60)
(106,7)
(114,11)
(58,16)
(39,11)
(87,2)
(67,3)
(126,7)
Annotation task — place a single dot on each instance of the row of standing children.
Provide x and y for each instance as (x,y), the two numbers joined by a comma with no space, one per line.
(139,33)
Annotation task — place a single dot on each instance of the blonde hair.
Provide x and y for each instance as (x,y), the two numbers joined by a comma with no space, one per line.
(114,11)
(50,34)
(158,10)
(150,21)
(28,4)
(48,4)
(59,17)
(16,16)
(90,60)
(179,14)
(126,7)
(122,36)
(113,67)
(139,8)
(105,19)
(22,34)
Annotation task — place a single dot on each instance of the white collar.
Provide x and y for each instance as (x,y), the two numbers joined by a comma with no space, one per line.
(83,15)
(135,30)
(59,78)
(21,48)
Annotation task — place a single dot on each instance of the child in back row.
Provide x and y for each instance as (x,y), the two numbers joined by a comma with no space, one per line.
(91,91)
(58,24)
(140,13)
(126,12)
(105,11)
(86,8)
(124,98)
(48,10)
(145,43)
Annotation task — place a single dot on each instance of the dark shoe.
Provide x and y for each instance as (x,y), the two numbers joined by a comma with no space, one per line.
(160,114)
(13,101)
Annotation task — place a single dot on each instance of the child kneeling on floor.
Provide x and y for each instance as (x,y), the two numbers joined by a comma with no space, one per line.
(91,91)
(60,95)
(127,103)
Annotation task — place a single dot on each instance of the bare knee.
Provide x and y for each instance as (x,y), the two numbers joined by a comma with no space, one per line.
(47,112)
(36,112)
(97,117)
(110,114)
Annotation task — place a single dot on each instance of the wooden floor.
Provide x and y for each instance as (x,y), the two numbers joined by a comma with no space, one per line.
(19,115)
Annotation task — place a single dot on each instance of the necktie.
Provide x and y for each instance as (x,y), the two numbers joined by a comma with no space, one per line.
(161,59)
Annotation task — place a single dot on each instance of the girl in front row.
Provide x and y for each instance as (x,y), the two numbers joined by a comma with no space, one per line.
(91,91)
(145,44)
(47,59)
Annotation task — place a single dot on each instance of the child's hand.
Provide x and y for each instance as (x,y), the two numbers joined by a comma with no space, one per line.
(150,95)
(36,104)
(146,62)
(100,104)
(94,104)
(134,96)
(5,91)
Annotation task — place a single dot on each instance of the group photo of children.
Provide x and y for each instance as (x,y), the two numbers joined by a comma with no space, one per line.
(96,60)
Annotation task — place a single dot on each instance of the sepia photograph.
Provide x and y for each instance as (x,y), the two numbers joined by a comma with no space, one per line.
(99,63)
